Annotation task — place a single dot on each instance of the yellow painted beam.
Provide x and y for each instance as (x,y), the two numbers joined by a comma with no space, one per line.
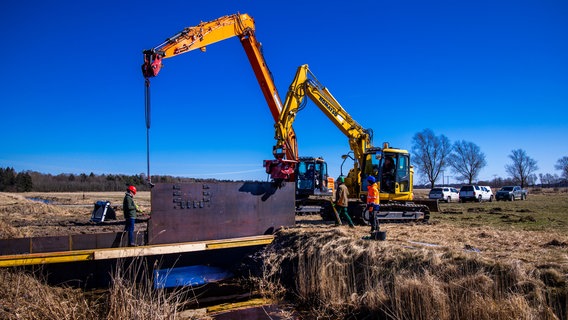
(234,243)
(44,258)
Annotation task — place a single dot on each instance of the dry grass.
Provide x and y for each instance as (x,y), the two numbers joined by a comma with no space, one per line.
(499,260)
(131,296)
(332,274)
(23,296)
(472,261)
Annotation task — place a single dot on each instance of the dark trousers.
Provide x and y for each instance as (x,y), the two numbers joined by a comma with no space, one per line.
(343,213)
(129,227)
(374,216)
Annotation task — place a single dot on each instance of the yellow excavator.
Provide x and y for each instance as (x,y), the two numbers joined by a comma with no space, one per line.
(311,171)
(390,167)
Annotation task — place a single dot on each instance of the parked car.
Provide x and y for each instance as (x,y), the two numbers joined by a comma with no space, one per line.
(511,193)
(474,193)
(447,194)
(488,193)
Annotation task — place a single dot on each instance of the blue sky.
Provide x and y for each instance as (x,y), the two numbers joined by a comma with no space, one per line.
(494,73)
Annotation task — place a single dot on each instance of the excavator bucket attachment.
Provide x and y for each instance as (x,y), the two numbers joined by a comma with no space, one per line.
(432,204)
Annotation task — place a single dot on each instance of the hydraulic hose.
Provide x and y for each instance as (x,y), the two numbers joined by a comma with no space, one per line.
(147,114)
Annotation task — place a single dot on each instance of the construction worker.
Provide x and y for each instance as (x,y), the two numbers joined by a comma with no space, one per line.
(342,201)
(387,183)
(373,201)
(130,209)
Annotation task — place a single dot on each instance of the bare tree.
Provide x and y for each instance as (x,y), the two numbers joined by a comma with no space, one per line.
(562,165)
(548,179)
(522,168)
(430,153)
(466,160)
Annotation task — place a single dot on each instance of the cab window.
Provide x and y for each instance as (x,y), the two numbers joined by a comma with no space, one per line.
(403,173)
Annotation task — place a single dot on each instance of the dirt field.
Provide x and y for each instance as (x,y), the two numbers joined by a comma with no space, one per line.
(535,230)
(487,248)
(63,214)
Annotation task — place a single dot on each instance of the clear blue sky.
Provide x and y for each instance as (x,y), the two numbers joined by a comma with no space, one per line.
(493,72)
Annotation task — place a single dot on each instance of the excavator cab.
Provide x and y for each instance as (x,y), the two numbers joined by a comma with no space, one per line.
(312,178)
(392,171)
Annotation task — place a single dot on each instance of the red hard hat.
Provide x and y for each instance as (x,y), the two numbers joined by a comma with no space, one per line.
(132,189)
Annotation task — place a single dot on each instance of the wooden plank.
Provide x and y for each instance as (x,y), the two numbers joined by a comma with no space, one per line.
(126,252)
(117,253)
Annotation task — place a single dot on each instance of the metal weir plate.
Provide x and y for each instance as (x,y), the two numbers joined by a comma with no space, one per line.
(218,210)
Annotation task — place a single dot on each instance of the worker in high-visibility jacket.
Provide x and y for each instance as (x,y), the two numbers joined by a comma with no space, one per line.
(373,201)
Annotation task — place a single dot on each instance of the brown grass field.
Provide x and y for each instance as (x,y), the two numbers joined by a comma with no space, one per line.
(491,260)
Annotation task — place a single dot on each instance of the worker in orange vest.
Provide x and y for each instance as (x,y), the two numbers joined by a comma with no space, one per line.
(373,201)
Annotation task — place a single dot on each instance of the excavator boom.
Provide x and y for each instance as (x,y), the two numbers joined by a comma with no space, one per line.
(359,137)
(206,33)
(306,84)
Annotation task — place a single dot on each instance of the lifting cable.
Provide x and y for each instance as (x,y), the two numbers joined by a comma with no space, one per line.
(147,114)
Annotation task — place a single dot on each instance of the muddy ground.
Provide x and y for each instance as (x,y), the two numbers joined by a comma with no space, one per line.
(56,214)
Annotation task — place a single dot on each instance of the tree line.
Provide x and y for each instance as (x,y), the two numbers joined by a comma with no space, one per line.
(432,154)
(12,181)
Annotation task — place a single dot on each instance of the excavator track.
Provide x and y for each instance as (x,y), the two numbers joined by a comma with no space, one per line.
(404,212)
(393,212)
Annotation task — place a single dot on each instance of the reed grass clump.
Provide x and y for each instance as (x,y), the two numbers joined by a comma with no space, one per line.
(330,274)
(26,295)
(132,294)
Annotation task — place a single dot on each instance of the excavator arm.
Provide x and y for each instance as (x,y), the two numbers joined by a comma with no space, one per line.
(306,84)
(206,33)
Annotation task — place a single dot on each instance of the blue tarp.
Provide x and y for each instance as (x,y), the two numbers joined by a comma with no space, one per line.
(189,276)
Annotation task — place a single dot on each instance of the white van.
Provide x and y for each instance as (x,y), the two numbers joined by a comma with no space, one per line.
(447,194)
(488,196)
(475,193)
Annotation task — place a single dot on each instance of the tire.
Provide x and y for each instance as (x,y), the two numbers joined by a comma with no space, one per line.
(480,198)
(524,197)
(449,199)
(512,197)
(491,199)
